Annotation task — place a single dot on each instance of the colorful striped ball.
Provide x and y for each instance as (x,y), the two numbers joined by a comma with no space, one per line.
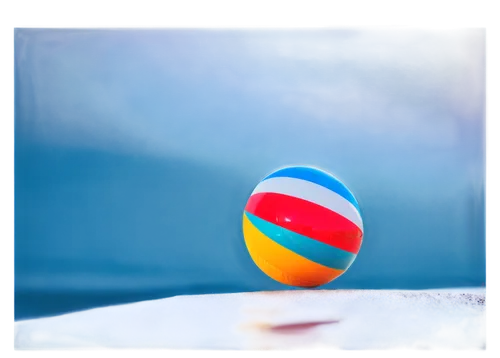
(302,226)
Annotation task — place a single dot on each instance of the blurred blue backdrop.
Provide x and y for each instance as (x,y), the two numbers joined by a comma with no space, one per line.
(136,150)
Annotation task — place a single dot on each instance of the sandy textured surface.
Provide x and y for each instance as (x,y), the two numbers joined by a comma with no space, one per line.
(472,297)
(339,319)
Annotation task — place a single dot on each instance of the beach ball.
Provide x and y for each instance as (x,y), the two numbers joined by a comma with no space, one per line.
(302,226)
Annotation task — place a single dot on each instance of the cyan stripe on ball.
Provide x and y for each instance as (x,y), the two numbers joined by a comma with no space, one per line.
(311,249)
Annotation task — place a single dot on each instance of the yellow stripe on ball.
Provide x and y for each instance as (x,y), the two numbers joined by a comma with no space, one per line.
(283,265)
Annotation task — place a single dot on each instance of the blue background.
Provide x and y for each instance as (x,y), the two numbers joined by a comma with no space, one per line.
(136,150)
